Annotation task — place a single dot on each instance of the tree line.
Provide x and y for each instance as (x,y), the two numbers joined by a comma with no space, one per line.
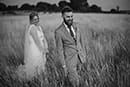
(77,5)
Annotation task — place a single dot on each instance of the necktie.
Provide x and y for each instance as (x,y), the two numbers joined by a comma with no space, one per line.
(72,33)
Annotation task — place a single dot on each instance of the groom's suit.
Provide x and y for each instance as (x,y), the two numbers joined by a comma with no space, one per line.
(70,51)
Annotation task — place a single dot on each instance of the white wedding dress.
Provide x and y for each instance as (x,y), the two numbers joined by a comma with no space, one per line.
(34,59)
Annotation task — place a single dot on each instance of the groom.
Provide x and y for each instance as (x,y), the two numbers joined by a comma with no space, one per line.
(69,43)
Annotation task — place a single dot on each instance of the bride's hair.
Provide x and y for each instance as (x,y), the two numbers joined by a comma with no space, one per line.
(32,15)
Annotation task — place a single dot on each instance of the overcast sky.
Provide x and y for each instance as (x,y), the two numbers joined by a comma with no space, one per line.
(105,4)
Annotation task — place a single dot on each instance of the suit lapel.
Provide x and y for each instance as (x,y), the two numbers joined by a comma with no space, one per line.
(66,32)
(75,29)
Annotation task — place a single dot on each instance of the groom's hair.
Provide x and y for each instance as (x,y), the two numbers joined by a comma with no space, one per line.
(66,9)
(32,15)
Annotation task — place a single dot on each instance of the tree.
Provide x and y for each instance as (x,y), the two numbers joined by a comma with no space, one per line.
(63,3)
(117,8)
(78,4)
(43,6)
(113,10)
(95,8)
(27,6)
(2,7)
(54,8)
(12,7)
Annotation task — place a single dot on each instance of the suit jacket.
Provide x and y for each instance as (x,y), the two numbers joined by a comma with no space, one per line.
(68,50)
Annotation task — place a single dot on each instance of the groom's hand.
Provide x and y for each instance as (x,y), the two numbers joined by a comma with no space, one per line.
(65,69)
(44,51)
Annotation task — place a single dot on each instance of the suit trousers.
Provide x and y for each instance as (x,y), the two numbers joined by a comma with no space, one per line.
(72,71)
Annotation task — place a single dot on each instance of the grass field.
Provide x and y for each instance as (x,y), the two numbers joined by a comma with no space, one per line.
(107,39)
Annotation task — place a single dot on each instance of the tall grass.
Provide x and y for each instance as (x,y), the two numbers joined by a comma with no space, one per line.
(107,47)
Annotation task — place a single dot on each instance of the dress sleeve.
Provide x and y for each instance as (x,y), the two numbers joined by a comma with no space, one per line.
(44,40)
(34,34)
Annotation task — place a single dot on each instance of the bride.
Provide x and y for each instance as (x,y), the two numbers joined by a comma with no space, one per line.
(35,49)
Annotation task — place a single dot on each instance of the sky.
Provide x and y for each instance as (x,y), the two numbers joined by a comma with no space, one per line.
(105,4)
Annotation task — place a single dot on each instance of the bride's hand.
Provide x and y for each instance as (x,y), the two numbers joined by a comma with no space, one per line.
(45,51)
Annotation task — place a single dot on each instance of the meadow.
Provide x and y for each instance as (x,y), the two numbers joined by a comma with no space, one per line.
(107,44)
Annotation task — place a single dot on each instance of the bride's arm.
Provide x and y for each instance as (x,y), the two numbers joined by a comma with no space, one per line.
(45,41)
(34,35)
(45,44)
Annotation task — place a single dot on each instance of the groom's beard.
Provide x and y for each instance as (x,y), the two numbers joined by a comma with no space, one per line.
(68,22)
